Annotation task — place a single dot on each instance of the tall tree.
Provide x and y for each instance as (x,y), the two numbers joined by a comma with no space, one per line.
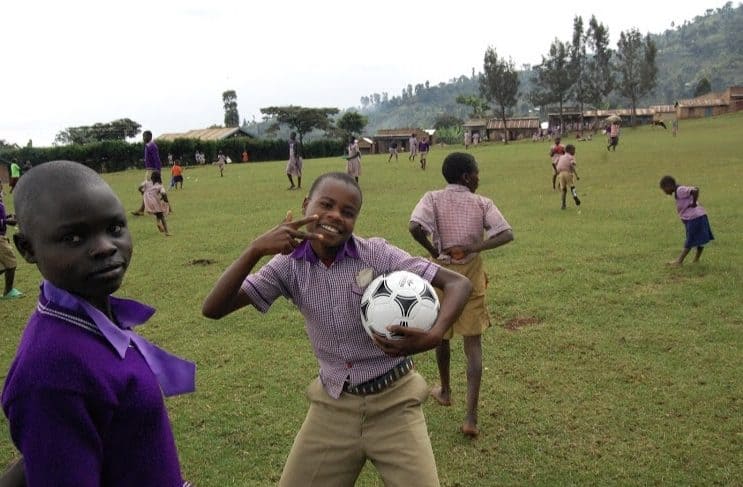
(478,105)
(578,65)
(499,83)
(231,115)
(120,129)
(352,123)
(636,66)
(554,78)
(703,87)
(302,119)
(600,78)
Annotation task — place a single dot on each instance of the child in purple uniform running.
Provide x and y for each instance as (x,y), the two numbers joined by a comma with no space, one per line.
(693,216)
(84,394)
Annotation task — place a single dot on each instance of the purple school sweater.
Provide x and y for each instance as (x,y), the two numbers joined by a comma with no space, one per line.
(152,157)
(78,412)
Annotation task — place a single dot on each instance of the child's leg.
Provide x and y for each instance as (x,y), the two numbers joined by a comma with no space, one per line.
(299,182)
(9,278)
(564,195)
(473,351)
(699,254)
(291,181)
(680,259)
(442,393)
(554,177)
(575,195)
(161,217)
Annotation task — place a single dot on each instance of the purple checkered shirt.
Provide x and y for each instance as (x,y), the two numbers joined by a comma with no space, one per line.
(329,298)
(152,157)
(455,216)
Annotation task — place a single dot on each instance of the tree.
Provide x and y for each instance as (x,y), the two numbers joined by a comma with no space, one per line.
(578,64)
(554,78)
(231,115)
(703,87)
(500,84)
(302,119)
(447,120)
(120,129)
(600,79)
(479,106)
(636,66)
(352,123)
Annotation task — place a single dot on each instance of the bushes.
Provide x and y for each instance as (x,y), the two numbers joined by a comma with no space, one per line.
(115,155)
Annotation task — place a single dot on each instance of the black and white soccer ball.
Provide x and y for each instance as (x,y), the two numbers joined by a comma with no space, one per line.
(399,298)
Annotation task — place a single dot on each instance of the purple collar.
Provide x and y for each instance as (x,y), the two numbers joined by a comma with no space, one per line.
(304,252)
(175,375)
(129,313)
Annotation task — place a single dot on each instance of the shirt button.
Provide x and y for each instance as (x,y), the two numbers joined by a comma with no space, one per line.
(349,365)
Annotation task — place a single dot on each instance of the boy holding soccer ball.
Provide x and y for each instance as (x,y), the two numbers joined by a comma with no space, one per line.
(366,402)
(456,218)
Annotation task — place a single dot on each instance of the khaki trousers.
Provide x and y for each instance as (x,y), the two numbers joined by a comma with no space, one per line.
(339,435)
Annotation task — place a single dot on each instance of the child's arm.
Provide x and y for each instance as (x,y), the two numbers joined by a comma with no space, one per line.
(420,236)
(226,295)
(694,196)
(457,290)
(496,240)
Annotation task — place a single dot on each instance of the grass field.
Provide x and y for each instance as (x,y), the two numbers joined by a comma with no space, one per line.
(604,366)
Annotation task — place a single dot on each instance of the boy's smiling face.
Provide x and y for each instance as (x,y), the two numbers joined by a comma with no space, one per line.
(79,239)
(337,205)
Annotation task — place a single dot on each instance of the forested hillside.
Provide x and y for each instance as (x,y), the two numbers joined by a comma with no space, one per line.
(709,46)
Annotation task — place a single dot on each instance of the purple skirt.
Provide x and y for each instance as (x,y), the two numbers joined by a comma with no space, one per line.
(698,232)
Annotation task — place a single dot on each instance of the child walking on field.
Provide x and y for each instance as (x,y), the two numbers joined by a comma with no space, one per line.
(156,200)
(455,219)
(366,402)
(693,216)
(84,394)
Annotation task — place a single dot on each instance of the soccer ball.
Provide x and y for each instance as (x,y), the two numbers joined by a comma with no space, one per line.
(399,298)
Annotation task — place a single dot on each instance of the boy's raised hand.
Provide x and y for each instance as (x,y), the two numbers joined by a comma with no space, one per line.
(286,236)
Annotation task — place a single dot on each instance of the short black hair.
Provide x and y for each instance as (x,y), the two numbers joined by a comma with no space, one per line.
(35,186)
(340,176)
(147,133)
(667,181)
(456,165)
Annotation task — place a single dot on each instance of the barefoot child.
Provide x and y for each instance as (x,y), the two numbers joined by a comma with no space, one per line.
(567,174)
(693,216)
(366,402)
(555,152)
(84,394)
(294,165)
(456,219)
(156,201)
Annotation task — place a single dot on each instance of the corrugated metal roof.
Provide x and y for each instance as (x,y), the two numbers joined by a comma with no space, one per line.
(203,134)
(396,133)
(476,122)
(703,102)
(514,123)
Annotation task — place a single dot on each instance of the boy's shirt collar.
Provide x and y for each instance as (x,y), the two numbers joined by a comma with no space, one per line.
(175,375)
(457,187)
(304,252)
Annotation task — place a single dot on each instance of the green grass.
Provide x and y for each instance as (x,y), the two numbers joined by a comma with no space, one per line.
(603,366)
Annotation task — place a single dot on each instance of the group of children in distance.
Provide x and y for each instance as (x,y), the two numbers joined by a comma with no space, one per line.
(83,395)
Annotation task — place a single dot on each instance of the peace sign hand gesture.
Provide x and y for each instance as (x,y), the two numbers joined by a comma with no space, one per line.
(286,236)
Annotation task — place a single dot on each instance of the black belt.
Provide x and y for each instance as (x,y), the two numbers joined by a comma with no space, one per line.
(380,383)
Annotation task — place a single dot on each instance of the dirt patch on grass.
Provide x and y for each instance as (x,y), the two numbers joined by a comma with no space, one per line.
(521,322)
(201,262)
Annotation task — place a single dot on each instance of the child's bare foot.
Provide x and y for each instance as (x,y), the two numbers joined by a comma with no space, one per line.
(470,429)
(438,394)
(674,263)
(168,234)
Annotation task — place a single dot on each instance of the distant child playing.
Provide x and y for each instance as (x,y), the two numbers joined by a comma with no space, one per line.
(176,175)
(566,174)
(84,394)
(221,161)
(295,163)
(156,201)
(353,160)
(423,148)
(693,216)
(366,402)
(555,152)
(456,218)
(8,262)
(152,162)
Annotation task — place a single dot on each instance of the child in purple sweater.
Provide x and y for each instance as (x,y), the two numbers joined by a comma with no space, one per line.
(84,394)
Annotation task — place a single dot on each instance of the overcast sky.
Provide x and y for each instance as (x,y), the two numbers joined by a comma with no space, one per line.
(166,63)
